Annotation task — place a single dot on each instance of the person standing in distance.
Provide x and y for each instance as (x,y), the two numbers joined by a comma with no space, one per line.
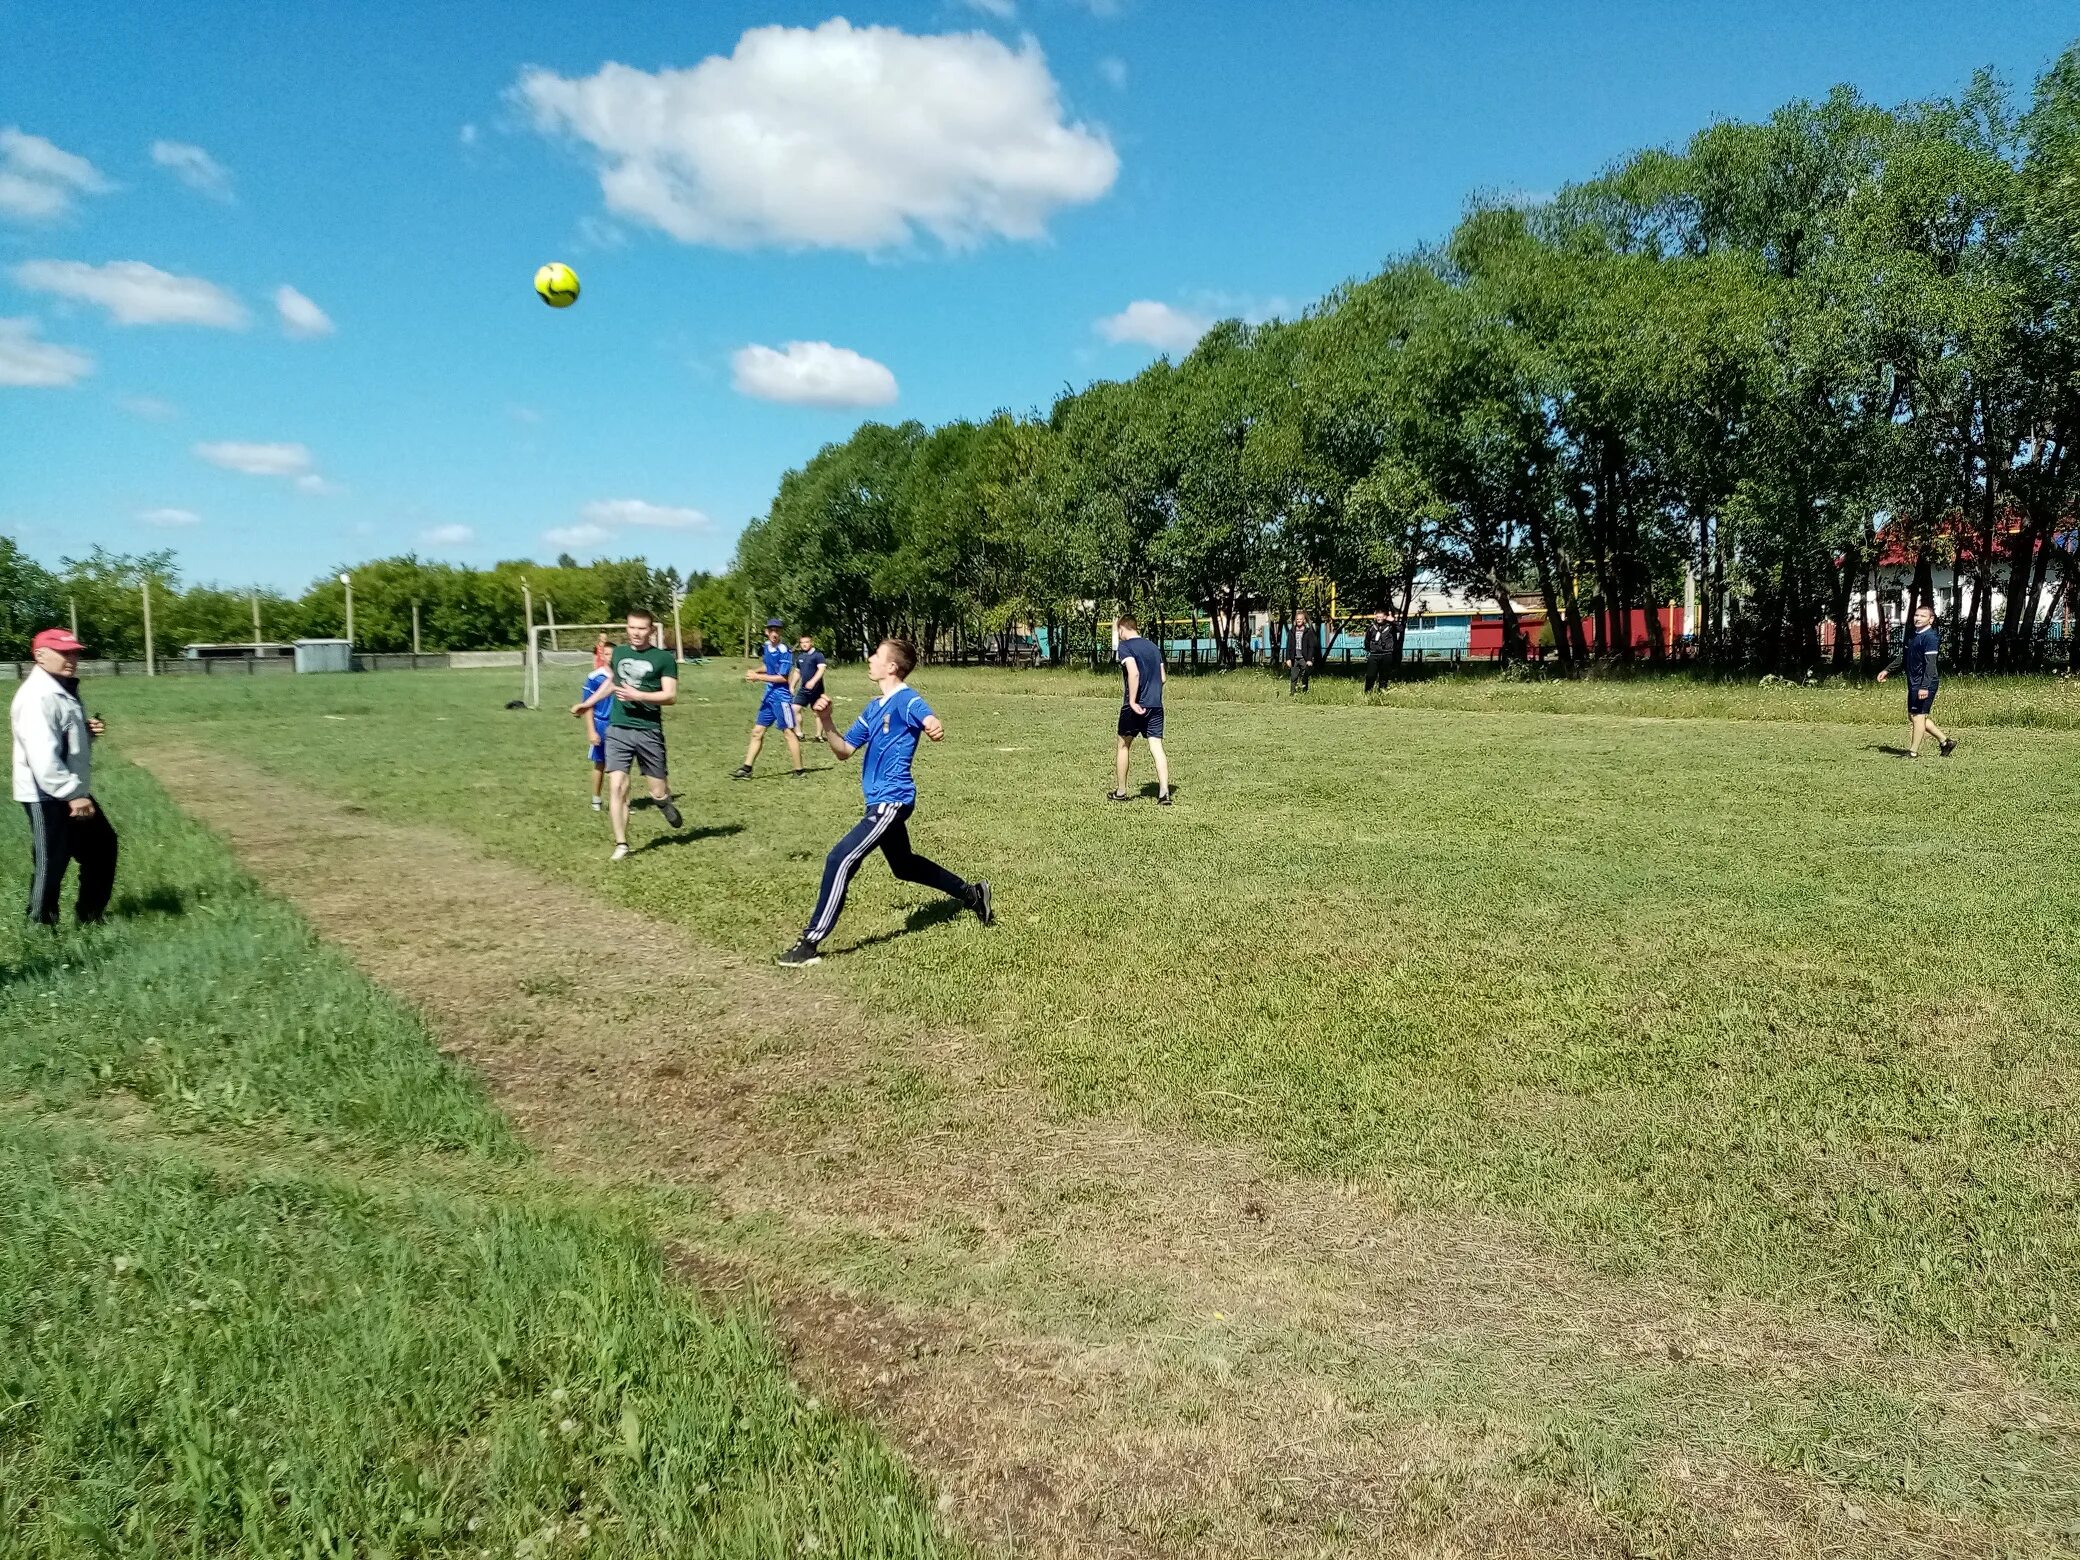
(646,679)
(1379,650)
(1141,708)
(775,705)
(597,696)
(809,665)
(54,782)
(1300,652)
(886,732)
(1917,658)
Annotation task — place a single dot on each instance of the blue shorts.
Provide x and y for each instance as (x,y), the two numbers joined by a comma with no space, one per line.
(1920,700)
(599,743)
(1147,724)
(776,708)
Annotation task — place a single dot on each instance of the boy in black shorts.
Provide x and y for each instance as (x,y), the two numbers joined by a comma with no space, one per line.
(809,665)
(1917,658)
(1141,708)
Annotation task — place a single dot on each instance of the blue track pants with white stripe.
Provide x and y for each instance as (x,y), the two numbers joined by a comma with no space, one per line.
(885,828)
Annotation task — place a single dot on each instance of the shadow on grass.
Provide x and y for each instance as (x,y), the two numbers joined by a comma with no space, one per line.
(1887,749)
(154,901)
(922,919)
(1151,790)
(690,837)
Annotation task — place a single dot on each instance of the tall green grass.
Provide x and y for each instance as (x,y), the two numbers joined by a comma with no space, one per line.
(276,1279)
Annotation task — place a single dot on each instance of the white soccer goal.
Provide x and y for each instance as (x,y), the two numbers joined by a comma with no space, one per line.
(532,672)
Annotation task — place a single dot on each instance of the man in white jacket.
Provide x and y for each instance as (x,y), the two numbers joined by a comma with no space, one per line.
(53,780)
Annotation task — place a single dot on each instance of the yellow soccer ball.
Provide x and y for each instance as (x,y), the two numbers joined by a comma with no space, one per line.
(558,285)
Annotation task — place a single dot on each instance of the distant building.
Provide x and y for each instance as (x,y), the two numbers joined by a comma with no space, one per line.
(248,651)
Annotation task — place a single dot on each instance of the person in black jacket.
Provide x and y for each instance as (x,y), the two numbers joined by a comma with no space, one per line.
(1917,658)
(1380,634)
(1300,653)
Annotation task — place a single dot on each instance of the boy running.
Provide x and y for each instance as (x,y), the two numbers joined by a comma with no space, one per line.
(809,667)
(598,696)
(646,679)
(1141,707)
(775,705)
(886,732)
(1917,657)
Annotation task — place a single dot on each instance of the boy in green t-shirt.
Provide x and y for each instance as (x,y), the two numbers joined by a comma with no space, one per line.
(646,679)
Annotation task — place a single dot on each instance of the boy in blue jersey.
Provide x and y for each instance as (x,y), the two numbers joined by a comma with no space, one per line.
(1141,706)
(1917,658)
(886,732)
(597,696)
(775,705)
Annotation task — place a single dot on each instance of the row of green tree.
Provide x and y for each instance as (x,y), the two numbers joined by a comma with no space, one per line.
(458,608)
(1731,366)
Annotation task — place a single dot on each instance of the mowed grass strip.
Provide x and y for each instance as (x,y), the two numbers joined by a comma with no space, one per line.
(275,1279)
(1740,1002)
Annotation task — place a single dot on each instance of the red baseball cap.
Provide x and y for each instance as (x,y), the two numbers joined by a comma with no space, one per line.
(62,640)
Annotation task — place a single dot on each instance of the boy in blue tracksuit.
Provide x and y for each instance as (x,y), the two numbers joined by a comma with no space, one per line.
(886,732)
(775,705)
(597,696)
(1917,658)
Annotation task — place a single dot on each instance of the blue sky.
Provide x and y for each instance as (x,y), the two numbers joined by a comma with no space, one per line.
(961,192)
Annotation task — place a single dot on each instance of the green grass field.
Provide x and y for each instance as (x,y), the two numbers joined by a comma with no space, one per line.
(275,1279)
(1698,980)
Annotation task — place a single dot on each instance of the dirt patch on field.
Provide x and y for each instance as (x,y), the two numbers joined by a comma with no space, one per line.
(1100,1340)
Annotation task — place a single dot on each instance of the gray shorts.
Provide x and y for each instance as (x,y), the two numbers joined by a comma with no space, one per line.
(637,746)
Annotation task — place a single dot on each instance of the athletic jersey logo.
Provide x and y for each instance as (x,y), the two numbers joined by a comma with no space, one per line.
(633,673)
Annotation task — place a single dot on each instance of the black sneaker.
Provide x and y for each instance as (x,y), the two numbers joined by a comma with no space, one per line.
(797,773)
(1117,796)
(671,813)
(1163,800)
(985,912)
(1949,746)
(801,955)
(741,772)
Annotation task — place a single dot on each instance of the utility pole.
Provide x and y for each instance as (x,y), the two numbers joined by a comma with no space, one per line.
(151,661)
(348,581)
(73,602)
(678,638)
(415,626)
(528,685)
(255,595)
(549,607)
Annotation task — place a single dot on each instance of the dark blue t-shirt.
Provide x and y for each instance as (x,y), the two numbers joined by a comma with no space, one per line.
(1918,657)
(1142,653)
(808,663)
(886,733)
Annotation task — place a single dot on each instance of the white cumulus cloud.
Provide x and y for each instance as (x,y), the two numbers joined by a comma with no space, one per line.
(168,516)
(194,167)
(636,511)
(39,179)
(134,293)
(448,536)
(29,363)
(301,317)
(833,137)
(571,537)
(150,407)
(291,462)
(1157,325)
(1002,10)
(811,373)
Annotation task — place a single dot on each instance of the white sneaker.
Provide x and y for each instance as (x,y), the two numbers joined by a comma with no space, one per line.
(595,804)
(620,853)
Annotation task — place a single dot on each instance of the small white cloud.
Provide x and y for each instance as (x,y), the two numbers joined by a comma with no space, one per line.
(1105,10)
(1153,324)
(636,511)
(835,137)
(194,167)
(1002,10)
(134,293)
(469,135)
(39,179)
(571,537)
(258,460)
(32,364)
(311,482)
(811,373)
(1114,70)
(300,317)
(523,414)
(168,516)
(150,407)
(448,536)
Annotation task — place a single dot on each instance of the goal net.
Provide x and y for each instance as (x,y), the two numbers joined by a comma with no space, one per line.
(560,644)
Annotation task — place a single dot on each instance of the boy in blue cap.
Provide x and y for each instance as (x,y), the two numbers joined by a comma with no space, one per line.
(886,732)
(775,705)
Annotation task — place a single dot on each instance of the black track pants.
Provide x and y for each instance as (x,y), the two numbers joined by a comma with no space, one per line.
(885,828)
(56,840)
